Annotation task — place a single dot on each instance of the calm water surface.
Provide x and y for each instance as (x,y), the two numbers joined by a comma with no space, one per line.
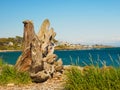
(111,56)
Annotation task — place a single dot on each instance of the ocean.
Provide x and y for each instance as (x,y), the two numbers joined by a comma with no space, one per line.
(108,56)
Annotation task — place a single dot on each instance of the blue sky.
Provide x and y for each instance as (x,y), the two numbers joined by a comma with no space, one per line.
(77,21)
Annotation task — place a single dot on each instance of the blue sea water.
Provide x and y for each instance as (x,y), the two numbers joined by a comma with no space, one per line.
(110,56)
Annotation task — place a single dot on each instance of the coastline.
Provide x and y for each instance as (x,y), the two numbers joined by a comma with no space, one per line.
(10,50)
(63,49)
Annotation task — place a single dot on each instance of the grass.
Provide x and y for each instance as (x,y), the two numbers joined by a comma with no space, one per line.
(8,74)
(1,63)
(93,79)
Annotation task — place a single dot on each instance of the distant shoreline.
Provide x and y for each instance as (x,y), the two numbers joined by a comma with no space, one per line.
(59,49)
(10,50)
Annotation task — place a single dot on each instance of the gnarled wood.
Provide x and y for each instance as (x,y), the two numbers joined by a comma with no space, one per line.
(37,56)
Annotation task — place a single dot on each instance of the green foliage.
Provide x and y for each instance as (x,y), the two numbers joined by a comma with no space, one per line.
(60,47)
(93,79)
(5,43)
(63,47)
(1,62)
(8,74)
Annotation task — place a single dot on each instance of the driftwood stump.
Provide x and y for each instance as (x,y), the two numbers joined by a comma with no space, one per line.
(38,56)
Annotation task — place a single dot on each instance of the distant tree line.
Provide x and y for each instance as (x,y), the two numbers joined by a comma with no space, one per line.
(11,43)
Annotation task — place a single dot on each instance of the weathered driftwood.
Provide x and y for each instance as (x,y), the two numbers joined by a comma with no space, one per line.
(37,56)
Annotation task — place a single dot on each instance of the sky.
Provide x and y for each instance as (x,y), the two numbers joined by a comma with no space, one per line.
(74,21)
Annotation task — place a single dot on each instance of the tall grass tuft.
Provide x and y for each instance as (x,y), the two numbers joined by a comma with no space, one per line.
(1,62)
(8,74)
(93,79)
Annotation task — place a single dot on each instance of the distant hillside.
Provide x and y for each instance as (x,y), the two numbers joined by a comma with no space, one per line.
(68,46)
(15,43)
(11,43)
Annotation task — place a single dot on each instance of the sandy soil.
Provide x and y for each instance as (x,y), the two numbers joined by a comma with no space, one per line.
(51,84)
